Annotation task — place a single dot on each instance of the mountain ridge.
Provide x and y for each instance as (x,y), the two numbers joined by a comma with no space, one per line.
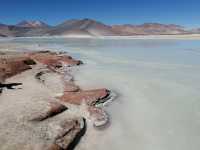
(32,24)
(89,27)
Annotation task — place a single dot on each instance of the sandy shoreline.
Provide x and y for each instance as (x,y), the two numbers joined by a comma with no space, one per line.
(167,37)
(48,111)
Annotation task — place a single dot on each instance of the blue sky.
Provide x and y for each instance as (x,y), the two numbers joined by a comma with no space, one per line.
(183,12)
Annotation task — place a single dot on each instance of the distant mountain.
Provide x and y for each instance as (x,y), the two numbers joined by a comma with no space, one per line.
(4,30)
(197,30)
(84,27)
(89,27)
(149,29)
(32,24)
(3,25)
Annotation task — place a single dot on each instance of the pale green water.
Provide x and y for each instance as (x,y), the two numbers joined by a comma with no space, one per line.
(158,82)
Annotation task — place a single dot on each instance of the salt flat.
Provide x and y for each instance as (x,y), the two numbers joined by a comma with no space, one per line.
(157,81)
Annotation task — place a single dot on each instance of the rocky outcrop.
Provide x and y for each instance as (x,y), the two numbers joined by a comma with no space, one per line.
(69,134)
(90,97)
(73,130)
(62,135)
(54,60)
(66,134)
(12,66)
(72,93)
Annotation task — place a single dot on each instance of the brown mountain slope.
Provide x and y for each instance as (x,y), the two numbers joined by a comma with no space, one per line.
(89,27)
(149,29)
(84,26)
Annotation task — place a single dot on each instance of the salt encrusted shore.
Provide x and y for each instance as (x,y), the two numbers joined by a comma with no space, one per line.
(40,107)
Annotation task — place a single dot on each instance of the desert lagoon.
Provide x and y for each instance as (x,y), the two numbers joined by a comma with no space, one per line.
(157,85)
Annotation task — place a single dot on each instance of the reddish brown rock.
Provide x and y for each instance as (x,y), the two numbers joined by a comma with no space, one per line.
(98,116)
(72,132)
(54,60)
(54,108)
(66,134)
(91,97)
(12,66)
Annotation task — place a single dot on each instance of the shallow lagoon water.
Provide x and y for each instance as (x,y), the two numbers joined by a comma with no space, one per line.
(157,82)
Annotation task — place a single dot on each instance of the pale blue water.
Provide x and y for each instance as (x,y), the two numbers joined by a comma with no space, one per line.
(158,83)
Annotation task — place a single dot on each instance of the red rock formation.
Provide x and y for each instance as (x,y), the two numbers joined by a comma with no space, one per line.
(69,136)
(91,97)
(54,60)
(12,66)
(71,130)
